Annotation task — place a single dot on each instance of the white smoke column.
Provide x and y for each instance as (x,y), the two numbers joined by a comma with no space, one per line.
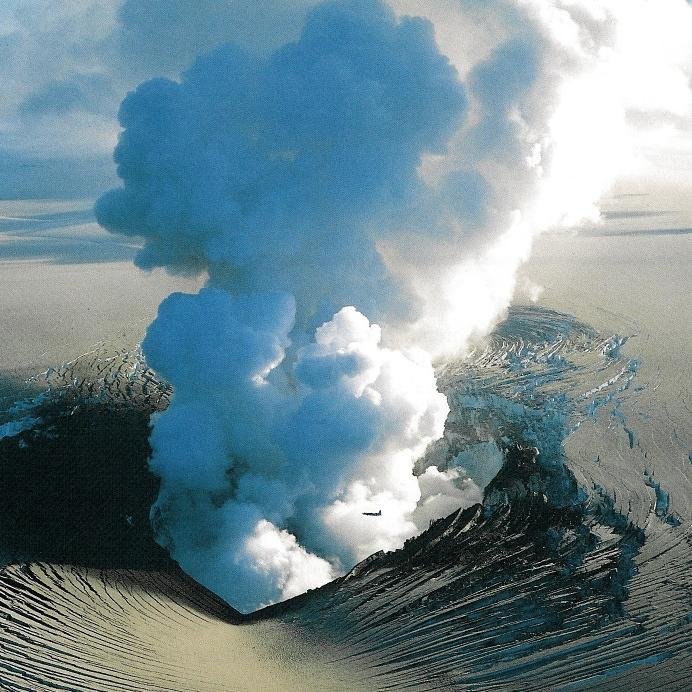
(398,400)
(605,82)
(276,553)
(352,168)
(242,454)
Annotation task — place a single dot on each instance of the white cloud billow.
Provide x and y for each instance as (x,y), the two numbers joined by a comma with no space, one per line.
(357,166)
(251,444)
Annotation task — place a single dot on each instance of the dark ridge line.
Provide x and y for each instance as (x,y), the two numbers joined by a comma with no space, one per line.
(185,591)
(636,214)
(505,497)
(74,393)
(636,233)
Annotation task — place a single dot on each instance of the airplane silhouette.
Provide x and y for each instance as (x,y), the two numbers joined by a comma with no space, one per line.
(373,514)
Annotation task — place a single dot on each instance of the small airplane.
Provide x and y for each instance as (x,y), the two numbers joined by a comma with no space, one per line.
(373,514)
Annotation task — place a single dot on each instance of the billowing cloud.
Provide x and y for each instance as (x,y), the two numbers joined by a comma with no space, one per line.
(303,160)
(165,36)
(253,445)
(348,176)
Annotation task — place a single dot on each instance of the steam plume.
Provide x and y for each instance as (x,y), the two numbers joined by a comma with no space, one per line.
(349,168)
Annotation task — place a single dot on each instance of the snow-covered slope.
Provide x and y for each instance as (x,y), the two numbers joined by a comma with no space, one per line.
(574,573)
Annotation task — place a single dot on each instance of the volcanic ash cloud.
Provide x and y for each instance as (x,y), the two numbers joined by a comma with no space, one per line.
(348,176)
(251,444)
(279,177)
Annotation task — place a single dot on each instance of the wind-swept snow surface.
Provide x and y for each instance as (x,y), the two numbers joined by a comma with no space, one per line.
(557,580)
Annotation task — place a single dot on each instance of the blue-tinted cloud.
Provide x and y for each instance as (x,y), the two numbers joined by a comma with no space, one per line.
(283,172)
(66,67)
(165,36)
(279,175)
(76,92)
(499,84)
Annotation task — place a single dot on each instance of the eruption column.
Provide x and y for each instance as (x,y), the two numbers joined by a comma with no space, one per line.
(349,168)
